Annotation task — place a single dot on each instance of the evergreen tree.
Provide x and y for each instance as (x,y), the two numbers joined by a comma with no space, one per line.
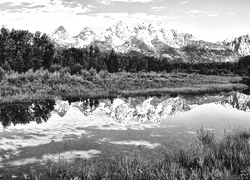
(112,62)
(4,37)
(6,66)
(17,63)
(37,63)
(133,64)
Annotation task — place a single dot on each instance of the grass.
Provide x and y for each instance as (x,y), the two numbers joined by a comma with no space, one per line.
(60,84)
(206,158)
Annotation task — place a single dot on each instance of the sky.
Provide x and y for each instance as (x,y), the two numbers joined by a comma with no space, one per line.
(209,20)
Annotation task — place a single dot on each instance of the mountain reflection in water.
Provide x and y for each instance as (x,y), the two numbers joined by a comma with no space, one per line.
(120,109)
(102,127)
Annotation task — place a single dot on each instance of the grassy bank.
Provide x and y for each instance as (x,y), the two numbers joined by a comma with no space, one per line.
(60,84)
(206,158)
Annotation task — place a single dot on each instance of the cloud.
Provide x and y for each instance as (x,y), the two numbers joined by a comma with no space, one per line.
(90,6)
(194,12)
(184,2)
(213,15)
(199,13)
(43,15)
(230,13)
(23,2)
(142,1)
(106,2)
(157,8)
(68,156)
(48,15)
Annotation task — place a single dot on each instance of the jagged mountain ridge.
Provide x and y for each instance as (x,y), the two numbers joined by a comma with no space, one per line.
(85,37)
(240,44)
(149,39)
(62,38)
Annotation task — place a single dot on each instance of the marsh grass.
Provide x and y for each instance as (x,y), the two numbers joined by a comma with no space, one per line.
(60,84)
(206,158)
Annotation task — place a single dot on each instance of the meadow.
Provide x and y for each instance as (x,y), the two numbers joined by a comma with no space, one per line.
(32,85)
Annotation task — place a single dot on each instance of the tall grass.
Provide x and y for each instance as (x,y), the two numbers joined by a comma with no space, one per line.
(103,84)
(206,158)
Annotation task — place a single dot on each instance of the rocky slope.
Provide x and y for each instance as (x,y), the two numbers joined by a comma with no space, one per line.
(62,38)
(85,37)
(240,44)
(123,110)
(148,39)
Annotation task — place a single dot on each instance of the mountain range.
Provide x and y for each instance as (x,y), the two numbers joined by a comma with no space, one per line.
(155,40)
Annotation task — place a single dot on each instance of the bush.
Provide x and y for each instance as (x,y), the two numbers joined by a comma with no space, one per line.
(6,66)
(64,71)
(76,68)
(229,156)
(248,71)
(92,72)
(55,67)
(85,74)
(104,74)
(2,74)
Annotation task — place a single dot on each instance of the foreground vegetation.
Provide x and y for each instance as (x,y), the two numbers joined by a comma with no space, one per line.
(207,158)
(91,84)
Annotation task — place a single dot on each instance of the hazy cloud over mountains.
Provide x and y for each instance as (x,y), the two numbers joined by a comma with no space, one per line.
(206,19)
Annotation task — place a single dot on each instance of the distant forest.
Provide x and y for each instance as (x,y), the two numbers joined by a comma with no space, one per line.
(21,50)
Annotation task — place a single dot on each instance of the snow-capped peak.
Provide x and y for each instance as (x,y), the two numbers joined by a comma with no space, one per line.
(62,37)
(60,30)
(85,37)
(240,44)
(87,30)
(151,39)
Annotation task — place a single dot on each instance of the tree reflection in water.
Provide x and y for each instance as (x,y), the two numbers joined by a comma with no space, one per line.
(87,106)
(23,113)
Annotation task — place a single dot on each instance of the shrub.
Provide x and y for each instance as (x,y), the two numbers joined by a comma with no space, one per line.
(104,74)
(6,66)
(2,74)
(85,74)
(76,68)
(55,67)
(64,71)
(205,137)
(92,72)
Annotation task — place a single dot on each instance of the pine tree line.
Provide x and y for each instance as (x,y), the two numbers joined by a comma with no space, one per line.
(21,50)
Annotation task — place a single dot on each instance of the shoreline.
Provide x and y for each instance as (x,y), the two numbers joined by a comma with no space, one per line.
(43,84)
(173,92)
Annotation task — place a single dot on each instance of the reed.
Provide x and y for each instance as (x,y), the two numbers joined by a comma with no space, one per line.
(59,84)
(206,158)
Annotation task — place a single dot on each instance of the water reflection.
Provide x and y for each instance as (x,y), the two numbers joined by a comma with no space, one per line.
(40,111)
(86,106)
(121,109)
(24,113)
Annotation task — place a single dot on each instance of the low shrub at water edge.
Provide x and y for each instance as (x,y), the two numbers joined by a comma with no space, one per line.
(104,84)
(206,158)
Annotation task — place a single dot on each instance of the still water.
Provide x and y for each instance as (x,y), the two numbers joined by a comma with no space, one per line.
(35,132)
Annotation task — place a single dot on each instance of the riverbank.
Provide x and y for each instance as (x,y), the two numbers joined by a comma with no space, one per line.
(61,85)
(206,158)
